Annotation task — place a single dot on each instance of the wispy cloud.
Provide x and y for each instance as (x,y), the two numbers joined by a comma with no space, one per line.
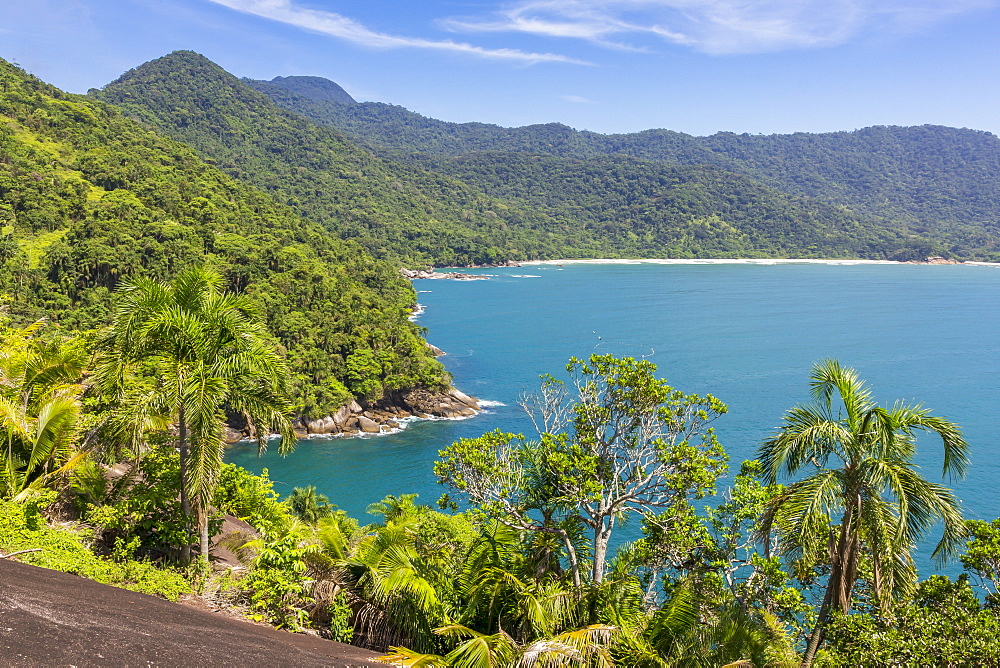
(715,26)
(342,27)
(577,99)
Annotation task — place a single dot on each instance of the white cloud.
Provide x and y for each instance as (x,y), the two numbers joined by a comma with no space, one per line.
(342,27)
(716,26)
(577,99)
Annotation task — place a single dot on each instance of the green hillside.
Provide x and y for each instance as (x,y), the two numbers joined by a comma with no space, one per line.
(88,197)
(642,208)
(467,211)
(935,185)
(391,209)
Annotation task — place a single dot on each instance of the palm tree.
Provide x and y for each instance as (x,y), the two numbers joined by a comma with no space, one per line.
(309,505)
(209,352)
(586,647)
(885,507)
(40,388)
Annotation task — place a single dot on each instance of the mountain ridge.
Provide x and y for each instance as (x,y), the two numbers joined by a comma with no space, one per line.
(423,210)
(925,181)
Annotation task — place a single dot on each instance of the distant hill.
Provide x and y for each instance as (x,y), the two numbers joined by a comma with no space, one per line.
(935,186)
(88,197)
(433,210)
(393,210)
(314,88)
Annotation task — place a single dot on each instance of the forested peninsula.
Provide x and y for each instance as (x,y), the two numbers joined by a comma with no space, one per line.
(187,257)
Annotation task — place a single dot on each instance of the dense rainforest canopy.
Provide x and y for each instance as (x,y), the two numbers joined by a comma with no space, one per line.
(917,190)
(88,198)
(489,201)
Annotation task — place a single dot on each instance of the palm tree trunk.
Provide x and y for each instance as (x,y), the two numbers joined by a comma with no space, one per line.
(840,587)
(203,526)
(185,502)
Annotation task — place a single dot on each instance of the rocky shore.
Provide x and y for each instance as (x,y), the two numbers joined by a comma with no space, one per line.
(453,275)
(385,415)
(430,273)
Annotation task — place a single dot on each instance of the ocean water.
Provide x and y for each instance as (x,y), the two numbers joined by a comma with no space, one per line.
(747,333)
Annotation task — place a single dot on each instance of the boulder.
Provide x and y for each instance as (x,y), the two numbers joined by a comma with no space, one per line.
(324,425)
(463,398)
(367,425)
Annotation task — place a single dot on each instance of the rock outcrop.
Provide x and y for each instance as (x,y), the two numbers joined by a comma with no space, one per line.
(430,273)
(385,415)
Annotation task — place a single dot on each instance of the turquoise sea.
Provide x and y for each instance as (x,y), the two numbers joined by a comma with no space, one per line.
(747,333)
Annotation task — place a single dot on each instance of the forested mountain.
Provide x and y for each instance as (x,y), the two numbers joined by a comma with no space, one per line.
(88,198)
(391,209)
(644,208)
(934,184)
(611,207)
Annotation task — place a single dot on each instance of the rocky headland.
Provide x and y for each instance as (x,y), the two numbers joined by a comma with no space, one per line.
(430,273)
(387,414)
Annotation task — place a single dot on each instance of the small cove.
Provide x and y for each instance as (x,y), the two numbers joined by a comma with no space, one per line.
(747,333)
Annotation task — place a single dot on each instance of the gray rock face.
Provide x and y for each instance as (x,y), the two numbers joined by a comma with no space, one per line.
(424,273)
(368,425)
(384,415)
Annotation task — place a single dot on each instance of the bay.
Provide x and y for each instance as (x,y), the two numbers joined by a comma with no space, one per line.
(747,333)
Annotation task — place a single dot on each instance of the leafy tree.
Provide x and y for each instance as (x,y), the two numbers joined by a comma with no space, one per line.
(209,352)
(885,506)
(982,557)
(942,625)
(627,443)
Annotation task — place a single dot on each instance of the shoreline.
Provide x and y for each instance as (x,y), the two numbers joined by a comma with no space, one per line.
(757,261)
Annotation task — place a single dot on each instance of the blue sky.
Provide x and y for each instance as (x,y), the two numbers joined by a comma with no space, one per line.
(696,66)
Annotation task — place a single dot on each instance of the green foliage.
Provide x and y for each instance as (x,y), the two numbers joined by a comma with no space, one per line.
(309,506)
(982,557)
(22,527)
(251,498)
(943,625)
(901,193)
(88,198)
(275,586)
(147,506)
(40,409)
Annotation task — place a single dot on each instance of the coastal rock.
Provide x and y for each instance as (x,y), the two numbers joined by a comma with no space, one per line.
(437,352)
(430,273)
(368,425)
(325,425)
(231,435)
(386,413)
(450,404)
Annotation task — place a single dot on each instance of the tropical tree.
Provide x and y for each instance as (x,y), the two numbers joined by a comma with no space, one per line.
(860,459)
(207,352)
(40,409)
(624,443)
(309,505)
(585,647)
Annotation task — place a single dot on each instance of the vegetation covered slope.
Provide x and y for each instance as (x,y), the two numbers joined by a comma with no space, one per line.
(609,207)
(935,184)
(642,208)
(88,197)
(391,209)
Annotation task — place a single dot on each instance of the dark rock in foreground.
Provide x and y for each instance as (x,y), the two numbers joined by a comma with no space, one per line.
(48,618)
